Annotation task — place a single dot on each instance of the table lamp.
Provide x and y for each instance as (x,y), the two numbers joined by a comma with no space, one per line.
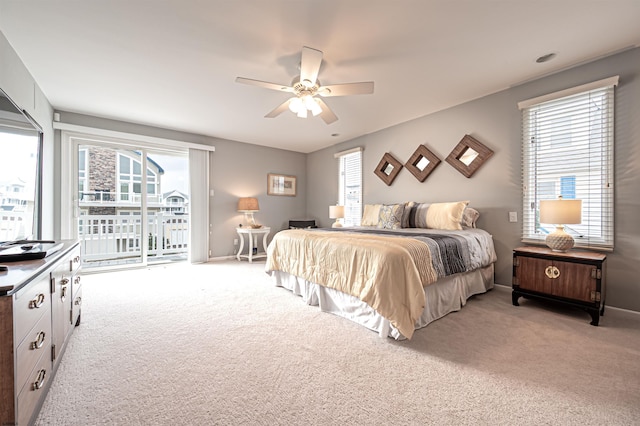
(249,205)
(560,212)
(337,213)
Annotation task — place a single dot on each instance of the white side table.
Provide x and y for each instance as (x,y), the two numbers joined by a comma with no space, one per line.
(250,232)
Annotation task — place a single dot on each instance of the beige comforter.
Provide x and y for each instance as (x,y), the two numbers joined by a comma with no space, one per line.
(387,273)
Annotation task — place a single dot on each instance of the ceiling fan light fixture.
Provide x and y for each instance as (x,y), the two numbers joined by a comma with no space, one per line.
(302,113)
(307,83)
(315,107)
(296,105)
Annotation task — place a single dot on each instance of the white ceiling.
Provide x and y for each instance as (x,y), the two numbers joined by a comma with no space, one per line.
(172,63)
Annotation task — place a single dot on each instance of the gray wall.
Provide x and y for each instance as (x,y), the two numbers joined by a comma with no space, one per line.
(496,188)
(236,170)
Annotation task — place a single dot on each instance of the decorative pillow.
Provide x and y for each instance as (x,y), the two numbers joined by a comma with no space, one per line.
(370,215)
(390,216)
(469,217)
(446,215)
(416,216)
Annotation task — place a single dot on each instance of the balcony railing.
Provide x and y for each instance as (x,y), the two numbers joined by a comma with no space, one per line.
(111,239)
(105,197)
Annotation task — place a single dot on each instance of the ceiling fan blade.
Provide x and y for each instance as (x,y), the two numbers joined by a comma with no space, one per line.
(364,88)
(327,115)
(279,109)
(310,65)
(266,85)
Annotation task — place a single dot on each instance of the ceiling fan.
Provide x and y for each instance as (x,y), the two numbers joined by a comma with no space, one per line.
(306,87)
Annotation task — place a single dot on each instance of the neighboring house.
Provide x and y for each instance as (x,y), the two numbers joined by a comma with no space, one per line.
(110,182)
(16,210)
(175,202)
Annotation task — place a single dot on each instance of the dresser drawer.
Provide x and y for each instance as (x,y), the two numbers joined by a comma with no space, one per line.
(74,260)
(37,342)
(29,304)
(34,389)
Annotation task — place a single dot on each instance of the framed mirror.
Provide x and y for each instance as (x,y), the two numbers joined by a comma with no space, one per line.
(388,168)
(422,163)
(20,173)
(468,156)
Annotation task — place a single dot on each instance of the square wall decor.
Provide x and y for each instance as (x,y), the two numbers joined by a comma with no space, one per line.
(388,168)
(422,163)
(468,156)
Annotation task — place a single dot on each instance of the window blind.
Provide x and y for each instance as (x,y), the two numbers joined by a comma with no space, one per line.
(568,151)
(350,187)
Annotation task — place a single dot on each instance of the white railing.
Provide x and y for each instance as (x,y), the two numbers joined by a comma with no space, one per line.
(102,197)
(111,237)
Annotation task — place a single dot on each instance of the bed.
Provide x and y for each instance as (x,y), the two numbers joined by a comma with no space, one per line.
(390,280)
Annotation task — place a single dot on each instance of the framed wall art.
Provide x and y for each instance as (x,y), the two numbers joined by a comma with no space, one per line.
(422,163)
(468,156)
(388,168)
(281,185)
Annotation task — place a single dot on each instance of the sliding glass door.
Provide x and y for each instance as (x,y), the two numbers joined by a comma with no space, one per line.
(132,204)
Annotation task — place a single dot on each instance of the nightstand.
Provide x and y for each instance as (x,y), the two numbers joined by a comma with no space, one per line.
(575,278)
(253,253)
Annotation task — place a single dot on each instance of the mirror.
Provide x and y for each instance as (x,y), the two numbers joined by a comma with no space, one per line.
(20,173)
(468,156)
(422,163)
(388,168)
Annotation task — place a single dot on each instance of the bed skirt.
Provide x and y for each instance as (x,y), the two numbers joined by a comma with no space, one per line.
(446,295)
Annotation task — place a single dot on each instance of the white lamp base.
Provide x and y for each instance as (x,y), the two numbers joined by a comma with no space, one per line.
(336,224)
(559,240)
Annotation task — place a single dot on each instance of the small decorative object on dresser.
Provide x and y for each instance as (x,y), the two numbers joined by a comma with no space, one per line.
(575,278)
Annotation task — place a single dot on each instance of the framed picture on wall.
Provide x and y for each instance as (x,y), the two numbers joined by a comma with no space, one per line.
(281,185)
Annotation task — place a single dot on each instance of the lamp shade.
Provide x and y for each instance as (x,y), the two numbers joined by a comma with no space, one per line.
(561,211)
(248,204)
(336,212)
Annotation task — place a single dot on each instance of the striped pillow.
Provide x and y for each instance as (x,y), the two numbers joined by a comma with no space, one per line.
(416,216)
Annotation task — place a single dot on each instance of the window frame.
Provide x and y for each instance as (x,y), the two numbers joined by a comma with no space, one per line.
(352,202)
(539,140)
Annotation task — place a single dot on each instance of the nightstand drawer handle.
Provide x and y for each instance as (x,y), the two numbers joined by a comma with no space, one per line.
(552,272)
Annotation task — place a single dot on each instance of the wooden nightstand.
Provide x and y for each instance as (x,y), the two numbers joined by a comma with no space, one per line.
(575,278)
(253,252)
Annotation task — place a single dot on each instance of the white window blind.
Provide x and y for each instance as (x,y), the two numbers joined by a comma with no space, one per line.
(350,190)
(568,151)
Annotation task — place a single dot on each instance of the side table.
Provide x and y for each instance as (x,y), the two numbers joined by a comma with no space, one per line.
(250,233)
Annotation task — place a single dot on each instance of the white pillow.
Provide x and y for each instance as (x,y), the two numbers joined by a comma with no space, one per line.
(370,215)
(446,216)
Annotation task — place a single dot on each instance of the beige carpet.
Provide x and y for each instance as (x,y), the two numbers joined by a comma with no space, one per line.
(217,344)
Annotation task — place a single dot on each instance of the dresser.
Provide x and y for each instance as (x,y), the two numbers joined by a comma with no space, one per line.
(576,278)
(37,317)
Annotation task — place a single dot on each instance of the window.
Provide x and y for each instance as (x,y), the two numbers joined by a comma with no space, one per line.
(350,185)
(567,151)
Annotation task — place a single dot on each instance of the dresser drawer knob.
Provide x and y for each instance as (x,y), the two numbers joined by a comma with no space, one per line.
(37,302)
(63,293)
(39,383)
(64,281)
(78,301)
(77,280)
(39,342)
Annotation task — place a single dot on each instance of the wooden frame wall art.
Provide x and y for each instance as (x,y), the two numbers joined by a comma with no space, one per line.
(388,168)
(468,156)
(422,163)
(281,185)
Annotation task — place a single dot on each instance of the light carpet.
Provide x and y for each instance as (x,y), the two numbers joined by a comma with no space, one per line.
(218,344)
